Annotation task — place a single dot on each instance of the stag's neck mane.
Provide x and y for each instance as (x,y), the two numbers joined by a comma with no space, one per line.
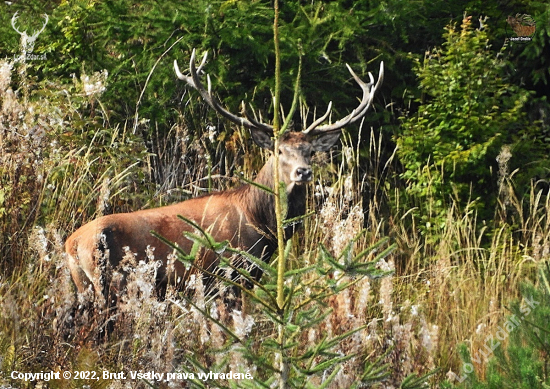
(260,204)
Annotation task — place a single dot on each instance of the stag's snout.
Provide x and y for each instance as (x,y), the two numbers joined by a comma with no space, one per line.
(302,174)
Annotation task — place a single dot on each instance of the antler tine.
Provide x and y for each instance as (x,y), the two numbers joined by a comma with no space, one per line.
(203,61)
(320,120)
(194,81)
(261,126)
(180,75)
(372,91)
(360,111)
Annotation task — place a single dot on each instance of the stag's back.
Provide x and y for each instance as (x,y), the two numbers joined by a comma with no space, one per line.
(106,240)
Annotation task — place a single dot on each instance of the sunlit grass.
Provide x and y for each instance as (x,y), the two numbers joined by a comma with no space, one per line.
(61,174)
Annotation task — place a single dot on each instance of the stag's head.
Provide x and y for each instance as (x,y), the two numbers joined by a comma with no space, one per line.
(28,41)
(295,148)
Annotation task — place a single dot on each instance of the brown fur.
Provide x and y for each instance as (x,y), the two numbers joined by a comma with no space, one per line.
(244,216)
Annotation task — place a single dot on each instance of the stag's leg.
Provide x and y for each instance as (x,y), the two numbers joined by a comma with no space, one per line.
(88,259)
(81,280)
(82,266)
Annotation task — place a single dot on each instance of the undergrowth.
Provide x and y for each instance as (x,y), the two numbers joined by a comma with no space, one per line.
(62,163)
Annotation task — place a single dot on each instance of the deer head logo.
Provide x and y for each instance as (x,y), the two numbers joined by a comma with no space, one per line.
(27,41)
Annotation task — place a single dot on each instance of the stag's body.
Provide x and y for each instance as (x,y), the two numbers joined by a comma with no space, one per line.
(245,217)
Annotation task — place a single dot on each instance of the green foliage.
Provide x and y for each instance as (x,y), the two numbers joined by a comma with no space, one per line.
(127,39)
(68,156)
(468,111)
(414,382)
(523,362)
(308,290)
(533,57)
(133,42)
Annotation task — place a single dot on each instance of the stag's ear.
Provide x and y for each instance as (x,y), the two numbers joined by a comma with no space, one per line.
(262,138)
(324,141)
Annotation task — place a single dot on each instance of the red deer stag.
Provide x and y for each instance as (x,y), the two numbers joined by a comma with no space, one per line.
(245,216)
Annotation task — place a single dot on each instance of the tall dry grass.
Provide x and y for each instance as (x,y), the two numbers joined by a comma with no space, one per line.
(57,174)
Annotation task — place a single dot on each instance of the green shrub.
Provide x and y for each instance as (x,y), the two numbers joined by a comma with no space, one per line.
(467,112)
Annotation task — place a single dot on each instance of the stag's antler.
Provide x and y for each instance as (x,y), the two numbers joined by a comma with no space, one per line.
(194,81)
(249,122)
(357,113)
